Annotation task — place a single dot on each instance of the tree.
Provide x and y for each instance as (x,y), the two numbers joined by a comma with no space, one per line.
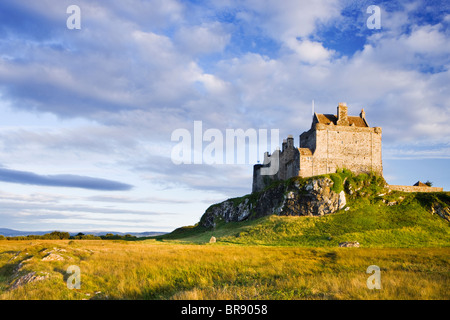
(429,183)
(56,235)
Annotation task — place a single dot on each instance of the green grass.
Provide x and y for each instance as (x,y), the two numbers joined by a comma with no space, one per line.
(166,270)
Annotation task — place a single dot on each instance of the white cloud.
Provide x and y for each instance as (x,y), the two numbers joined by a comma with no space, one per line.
(309,51)
(290,20)
(203,39)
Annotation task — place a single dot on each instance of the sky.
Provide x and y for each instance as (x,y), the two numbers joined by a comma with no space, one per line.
(90,99)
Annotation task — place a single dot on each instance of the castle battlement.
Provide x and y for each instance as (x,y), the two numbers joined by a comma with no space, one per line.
(332,142)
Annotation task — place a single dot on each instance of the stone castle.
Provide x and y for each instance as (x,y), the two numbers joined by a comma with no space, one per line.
(334,141)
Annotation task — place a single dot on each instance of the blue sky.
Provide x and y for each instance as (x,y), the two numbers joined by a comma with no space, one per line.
(86,116)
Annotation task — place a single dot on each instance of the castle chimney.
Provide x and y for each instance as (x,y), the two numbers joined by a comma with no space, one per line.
(290,141)
(362,114)
(284,145)
(342,114)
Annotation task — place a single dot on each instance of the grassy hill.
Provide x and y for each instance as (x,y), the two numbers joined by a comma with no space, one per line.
(407,235)
(374,219)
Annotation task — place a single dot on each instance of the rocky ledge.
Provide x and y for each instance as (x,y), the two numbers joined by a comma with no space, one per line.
(313,197)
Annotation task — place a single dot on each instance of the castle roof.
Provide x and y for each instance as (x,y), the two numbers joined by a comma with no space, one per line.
(305,151)
(331,118)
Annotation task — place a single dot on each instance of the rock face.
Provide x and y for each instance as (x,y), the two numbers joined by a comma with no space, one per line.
(313,197)
(443,212)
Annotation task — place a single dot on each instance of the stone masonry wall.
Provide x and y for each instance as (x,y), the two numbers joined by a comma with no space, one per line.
(415,188)
(354,148)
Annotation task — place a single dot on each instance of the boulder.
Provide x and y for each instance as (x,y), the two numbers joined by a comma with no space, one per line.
(349,244)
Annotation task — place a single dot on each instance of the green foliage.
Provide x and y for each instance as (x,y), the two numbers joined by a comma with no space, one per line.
(81,236)
(55,235)
(110,236)
(364,185)
(338,185)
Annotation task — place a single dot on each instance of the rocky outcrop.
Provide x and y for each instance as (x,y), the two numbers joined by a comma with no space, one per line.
(302,197)
(52,257)
(28,278)
(441,210)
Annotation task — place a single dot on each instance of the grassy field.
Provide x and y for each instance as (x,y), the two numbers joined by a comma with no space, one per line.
(153,269)
(273,257)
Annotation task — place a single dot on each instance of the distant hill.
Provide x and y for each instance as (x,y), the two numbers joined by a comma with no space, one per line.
(15,233)
(372,215)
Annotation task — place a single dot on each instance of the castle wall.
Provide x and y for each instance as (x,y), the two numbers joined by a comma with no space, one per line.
(308,139)
(306,165)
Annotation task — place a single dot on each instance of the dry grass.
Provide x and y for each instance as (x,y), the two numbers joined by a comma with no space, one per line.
(160,270)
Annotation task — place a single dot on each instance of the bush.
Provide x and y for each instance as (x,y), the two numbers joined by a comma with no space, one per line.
(338,185)
(55,235)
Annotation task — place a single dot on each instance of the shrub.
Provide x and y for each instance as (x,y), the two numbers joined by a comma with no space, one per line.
(338,185)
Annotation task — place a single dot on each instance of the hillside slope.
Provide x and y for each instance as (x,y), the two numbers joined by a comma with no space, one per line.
(372,216)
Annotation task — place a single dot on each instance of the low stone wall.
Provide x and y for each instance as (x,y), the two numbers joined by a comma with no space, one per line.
(415,188)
